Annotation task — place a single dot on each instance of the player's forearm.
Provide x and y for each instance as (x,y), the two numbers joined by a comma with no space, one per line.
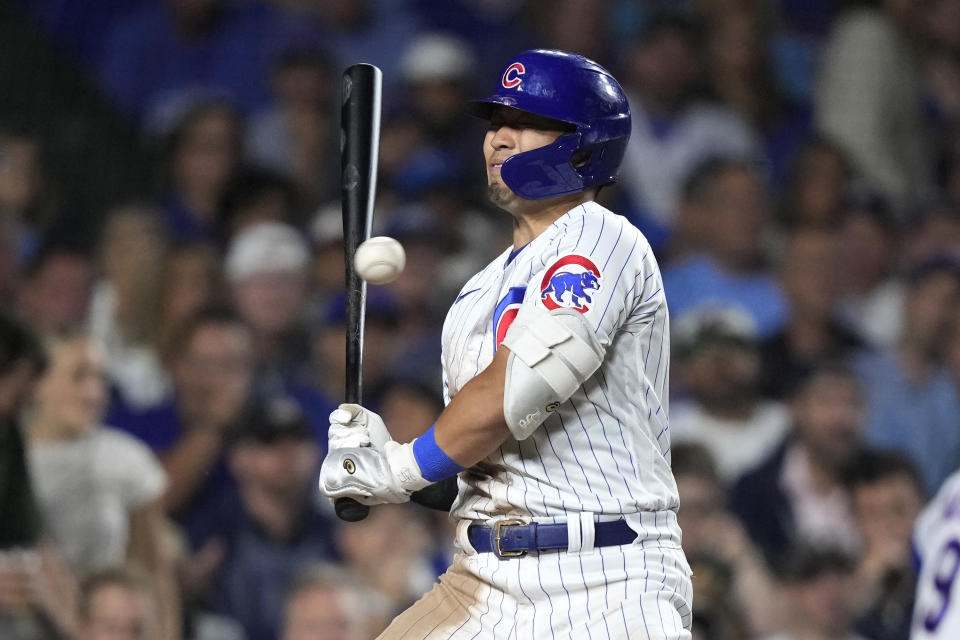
(472,426)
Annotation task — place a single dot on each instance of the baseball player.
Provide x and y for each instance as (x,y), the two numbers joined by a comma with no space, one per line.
(555,367)
(936,614)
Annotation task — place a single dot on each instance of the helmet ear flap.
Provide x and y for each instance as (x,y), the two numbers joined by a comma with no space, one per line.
(580,158)
(544,172)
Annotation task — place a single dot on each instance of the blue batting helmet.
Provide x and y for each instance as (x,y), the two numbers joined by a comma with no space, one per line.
(574,90)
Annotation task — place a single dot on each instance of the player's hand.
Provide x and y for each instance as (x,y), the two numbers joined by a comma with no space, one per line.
(353,426)
(366,474)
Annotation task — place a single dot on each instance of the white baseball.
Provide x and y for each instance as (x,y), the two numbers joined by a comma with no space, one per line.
(380,260)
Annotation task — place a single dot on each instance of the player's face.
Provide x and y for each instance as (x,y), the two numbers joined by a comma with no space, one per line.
(511,132)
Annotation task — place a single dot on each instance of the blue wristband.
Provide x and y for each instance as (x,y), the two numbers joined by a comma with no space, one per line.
(435,465)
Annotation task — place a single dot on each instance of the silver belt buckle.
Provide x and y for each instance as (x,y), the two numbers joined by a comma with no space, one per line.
(496,539)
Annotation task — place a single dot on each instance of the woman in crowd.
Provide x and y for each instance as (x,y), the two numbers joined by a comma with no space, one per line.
(98,489)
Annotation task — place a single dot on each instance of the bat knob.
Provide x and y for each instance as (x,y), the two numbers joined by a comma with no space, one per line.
(350,510)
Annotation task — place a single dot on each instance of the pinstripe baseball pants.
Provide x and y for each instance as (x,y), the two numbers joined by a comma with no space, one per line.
(639,592)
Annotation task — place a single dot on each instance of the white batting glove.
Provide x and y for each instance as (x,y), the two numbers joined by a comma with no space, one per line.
(372,476)
(353,426)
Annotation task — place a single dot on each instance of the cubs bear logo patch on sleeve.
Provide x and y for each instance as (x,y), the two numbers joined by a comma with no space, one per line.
(569,282)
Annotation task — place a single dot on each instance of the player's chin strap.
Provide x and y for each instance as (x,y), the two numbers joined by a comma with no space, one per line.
(552,353)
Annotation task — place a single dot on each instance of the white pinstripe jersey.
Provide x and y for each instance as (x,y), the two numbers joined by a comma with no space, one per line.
(936,614)
(607,449)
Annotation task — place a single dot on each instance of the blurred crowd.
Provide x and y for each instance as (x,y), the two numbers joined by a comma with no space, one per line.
(171,344)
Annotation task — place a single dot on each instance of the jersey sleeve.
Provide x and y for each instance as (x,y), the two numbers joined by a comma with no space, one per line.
(606,271)
(446,384)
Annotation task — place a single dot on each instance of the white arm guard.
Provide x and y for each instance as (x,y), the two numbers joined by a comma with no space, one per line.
(552,353)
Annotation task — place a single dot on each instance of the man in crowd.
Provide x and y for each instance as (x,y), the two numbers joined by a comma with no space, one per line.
(797,496)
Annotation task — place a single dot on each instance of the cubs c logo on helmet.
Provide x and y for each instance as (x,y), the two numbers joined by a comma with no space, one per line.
(568,284)
(511,77)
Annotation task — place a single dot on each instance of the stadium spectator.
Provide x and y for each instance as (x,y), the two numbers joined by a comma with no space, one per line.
(381,343)
(422,292)
(266,269)
(25,194)
(389,552)
(939,44)
(718,364)
(326,269)
(190,281)
(887,494)
(22,361)
(354,30)
(673,130)
(813,332)
(470,21)
(276,525)
(203,152)
(120,603)
(295,135)
(55,291)
(399,134)
(165,54)
(437,69)
(816,184)
(256,195)
(934,231)
(36,588)
(868,99)
(797,496)
(212,371)
(818,584)
(409,407)
(326,603)
(871,296)
(740,73)
(124,308)
(737,596)
(574,25)
(913,404)
(98,489)
(726,213)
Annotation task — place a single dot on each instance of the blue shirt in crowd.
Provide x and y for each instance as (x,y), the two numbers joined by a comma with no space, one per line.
(921,418)
(160,428)
(148,69)
(257,571)
(698,282)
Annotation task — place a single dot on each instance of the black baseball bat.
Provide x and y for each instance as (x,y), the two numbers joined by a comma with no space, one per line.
(359,148)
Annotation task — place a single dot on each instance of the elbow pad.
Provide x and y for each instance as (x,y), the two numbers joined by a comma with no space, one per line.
(552,353)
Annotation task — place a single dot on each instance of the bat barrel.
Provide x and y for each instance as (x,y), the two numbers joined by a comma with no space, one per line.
(360,143)
(359,150)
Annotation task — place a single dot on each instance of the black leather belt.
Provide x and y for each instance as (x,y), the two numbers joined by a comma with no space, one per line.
(514,538)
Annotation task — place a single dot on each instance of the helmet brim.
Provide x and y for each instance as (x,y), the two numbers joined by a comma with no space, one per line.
(483,108)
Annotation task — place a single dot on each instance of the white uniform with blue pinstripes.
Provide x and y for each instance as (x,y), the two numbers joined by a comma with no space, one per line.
(605,451)
(936,614)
